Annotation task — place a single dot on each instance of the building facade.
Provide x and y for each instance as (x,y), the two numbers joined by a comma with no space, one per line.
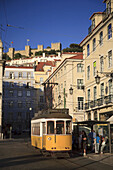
(1,86)
(98,62)
(67,76)
(19,98)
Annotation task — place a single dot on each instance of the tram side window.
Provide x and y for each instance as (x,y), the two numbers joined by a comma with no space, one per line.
(60,127)
(50,127)
(36,129)
(68,127)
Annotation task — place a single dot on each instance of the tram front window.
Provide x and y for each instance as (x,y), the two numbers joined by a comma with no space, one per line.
(50,127)
(60,127)
(68,127)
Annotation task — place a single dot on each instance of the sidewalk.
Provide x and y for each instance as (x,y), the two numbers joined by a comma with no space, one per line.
(106,158)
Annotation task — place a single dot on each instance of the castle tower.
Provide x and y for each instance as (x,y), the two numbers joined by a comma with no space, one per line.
(11,52)
(27,50)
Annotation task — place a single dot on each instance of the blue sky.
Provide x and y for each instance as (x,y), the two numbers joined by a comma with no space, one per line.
(46,21)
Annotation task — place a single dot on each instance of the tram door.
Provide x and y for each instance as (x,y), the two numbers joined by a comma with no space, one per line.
(43,132)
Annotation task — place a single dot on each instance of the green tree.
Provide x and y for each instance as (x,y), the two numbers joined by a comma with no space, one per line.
(6,57)
(17,56)
(73,48)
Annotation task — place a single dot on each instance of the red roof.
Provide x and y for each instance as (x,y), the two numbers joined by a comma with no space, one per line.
(79,56)
(40,66)
(19,67)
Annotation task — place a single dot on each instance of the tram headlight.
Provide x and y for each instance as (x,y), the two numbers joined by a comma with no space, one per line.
(49,138)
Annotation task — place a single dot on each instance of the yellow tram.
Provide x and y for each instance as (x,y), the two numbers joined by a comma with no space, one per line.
(52,130)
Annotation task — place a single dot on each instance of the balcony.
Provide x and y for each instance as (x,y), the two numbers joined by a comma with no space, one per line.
(99,102)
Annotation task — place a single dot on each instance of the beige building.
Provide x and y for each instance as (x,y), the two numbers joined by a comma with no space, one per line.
(41,73)
(98,60)
(1,84)
(31,52)
(67,76)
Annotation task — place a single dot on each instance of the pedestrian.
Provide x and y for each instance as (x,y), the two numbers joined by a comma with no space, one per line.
(103,144)
(92,136)
(97,143)
(84,142)
(80,140)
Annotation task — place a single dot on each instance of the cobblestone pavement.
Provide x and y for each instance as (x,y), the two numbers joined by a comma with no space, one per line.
(19,154)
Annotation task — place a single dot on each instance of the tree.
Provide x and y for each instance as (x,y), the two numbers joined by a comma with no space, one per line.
(6,57)
(17,56)
(73,48)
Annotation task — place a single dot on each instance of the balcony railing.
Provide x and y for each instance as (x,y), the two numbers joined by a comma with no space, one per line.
(99,102)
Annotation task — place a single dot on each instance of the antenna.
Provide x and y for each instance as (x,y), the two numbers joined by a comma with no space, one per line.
(8,25)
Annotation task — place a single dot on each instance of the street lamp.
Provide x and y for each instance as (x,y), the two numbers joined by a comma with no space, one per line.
(71,90)
(59,97)
(97,78)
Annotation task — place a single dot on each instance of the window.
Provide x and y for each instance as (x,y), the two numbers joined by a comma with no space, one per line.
(11,84)
(20,85)
(50,127)
(101,63)
(11,104)
(35,128)
(79,67)
(61,71)
(109,31)
(19,104)
(20,75)
(89,116)
(88,72)
(28,104)
(95,93)
(68,127)
(110,87)
(41,99)
(109,7)
(94,44)
(28,75)
(88,93)
(56,77)
(110,58)
(80,84)
(94,68)
(102,89)
(80,103)
(59,127)
(88,50)
(64,84)
(10,116)
(28,93)
(101,38)
(10,93)
(27,115)
(93,24)
(19,115)
(41,80)
(11,75)
(95,115)
(19,93)
(61,86)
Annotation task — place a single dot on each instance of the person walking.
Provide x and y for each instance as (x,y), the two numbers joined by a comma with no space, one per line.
(84,142)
